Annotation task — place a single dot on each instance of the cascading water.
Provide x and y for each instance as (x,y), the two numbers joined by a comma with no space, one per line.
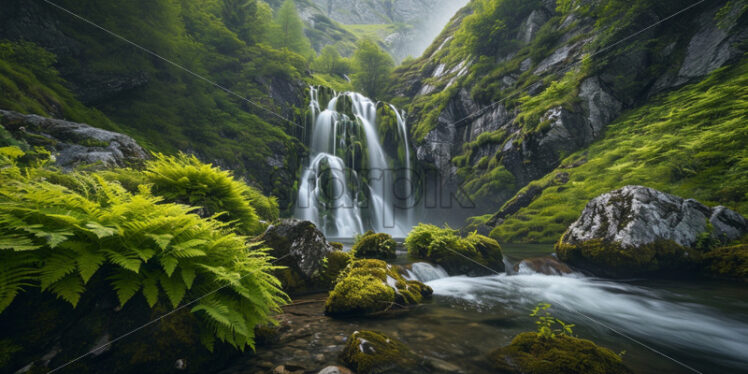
(349,184)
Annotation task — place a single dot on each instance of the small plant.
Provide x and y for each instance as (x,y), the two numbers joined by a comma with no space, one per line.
(549,326)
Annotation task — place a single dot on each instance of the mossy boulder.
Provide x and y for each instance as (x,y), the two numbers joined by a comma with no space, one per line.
(372,245)
(373,352)
(531,353)
(371,286)
(473,255)
(336,262)
(729,262)
(637,231)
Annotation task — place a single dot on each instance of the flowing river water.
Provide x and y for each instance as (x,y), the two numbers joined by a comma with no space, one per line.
(703,324)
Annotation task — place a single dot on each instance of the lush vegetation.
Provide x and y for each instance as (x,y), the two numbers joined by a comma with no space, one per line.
(691,143)
(68,234)
(288,31)
(372,69)
(461,255)
(382,353)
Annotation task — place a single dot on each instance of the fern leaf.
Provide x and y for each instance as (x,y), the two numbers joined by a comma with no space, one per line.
(169,264)
(69,289)
(99,230)
(126,284)
(173,288)
(18,243)
(162,240)
(57,266)
(88,264)
(150,290)
(129,263)
(188,276)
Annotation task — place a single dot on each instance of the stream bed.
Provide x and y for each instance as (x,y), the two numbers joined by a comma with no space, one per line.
(701,324)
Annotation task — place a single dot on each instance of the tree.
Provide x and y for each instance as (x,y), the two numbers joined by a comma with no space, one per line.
(249,19)
(288,31)
(330,62)
(372,67)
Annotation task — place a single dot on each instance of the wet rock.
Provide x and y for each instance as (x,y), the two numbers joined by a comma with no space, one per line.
(636,230)
(371,286)
(547,265)
(531,353)
(335,370)
(302,248)
(372,352)
(73,143)
(532,24)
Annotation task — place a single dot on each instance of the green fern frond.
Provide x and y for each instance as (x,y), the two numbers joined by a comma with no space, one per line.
(126,284)
(69,289)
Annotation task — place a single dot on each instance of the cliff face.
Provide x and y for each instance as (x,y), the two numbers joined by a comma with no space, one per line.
(496,118)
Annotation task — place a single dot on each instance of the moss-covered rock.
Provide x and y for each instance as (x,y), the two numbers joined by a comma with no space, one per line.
(531,353)
(372,352)
(472,255)
(336,263)
(373,245)
(370,286)
(727,262)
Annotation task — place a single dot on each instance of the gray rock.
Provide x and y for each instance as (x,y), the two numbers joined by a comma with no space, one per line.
(301,247)
(73,143)
(601,107)
(334,370)
(532,24)
(634,216)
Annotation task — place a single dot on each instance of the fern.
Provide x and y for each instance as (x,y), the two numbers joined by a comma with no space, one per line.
(57,232)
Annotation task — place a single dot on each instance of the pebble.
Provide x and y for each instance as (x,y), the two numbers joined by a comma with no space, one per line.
(335,370)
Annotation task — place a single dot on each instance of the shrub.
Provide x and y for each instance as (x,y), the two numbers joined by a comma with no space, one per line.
(372,245)
(184,179)
(63,239)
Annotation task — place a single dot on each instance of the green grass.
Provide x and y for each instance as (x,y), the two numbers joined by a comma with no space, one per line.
(376,32)
(692,142)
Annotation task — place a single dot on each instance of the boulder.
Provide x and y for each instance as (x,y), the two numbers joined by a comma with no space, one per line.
(532,353)
(638,230)
(73,143)
(302,249)
(547,265)
(372,352)
(371,286)
(472,255)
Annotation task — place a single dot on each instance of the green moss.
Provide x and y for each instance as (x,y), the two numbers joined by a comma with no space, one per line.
(372,352)
(337,245)
(682,143)
(373,245)
(336,262)
(444,246)
(370,286)
(662,257)
(727,262)
(530,353)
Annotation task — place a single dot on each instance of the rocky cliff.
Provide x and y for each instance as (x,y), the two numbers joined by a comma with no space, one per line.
(494,116)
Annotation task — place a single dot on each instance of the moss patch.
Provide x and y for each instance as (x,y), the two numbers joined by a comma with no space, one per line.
(474,254)
(373,245)
(370,286)
(727,262)
(373,352)
(530,353)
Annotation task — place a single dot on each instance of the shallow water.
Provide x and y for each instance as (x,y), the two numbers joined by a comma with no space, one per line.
(703,324)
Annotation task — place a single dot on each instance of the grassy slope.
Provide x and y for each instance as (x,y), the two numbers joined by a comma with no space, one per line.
(692,142)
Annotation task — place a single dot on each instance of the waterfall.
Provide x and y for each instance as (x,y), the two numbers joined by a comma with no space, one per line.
(348,186)
(425,272)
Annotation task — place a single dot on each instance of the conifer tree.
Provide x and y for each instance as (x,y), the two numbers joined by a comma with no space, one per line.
(372,68)
(288,31)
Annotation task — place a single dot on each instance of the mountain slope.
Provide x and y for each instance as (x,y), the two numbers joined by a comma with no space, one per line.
(107,83)
(511,88)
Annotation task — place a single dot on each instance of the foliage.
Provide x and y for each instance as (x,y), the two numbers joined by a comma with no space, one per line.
(685,143)
(70,233)
(184,179)
(492,29)
(547,323)
(330,62)
(374,245)
(729,262)
(372,67)
(456,254)
(288,31)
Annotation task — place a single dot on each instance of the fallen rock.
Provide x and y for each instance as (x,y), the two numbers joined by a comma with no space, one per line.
(303,249)
(73,143)
(638,230)
(370,286)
